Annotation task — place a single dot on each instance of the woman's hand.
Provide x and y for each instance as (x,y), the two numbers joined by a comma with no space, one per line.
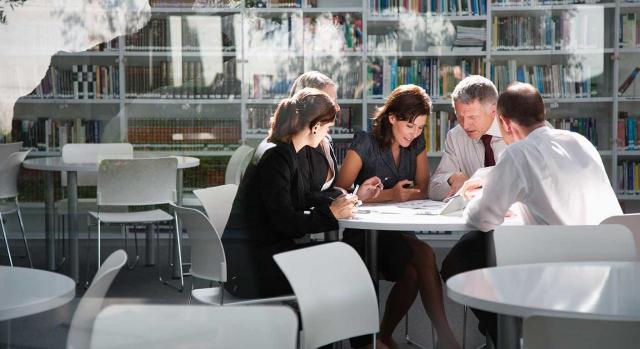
(400,193)
(344,206)
(369,189)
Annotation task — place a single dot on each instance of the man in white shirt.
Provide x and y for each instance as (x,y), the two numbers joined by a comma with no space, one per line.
(557,177)
(476,142)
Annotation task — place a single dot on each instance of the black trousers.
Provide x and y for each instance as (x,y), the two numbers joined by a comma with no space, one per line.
(470,253)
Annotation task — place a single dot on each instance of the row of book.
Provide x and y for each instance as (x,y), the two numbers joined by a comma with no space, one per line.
(162,81)
(258,119)
(338,32)
(629,30)
(555,81)
(274,33)
(541,2)
(438,79)
(195,3)
(270,86)
(183,133)
(629,177)
(192,33)
(46,134)
(585,126)
(438,125)
(112,45)
(274,3)
(429,7)
(566,30)
(82,81)
(628,130)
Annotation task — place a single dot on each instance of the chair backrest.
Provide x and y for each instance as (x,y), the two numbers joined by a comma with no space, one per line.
(191,326)
(9,170)
(91,303)
(334,292)
(134,182)
(217,202)
(563,243)
(541,332)
(207,254)
(92,153)
(631,221)
(238,163)
(7,149)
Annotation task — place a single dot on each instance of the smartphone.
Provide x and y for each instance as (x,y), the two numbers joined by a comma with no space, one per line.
(408,185)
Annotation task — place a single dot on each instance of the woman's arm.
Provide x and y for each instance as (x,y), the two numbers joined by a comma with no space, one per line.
(422,177)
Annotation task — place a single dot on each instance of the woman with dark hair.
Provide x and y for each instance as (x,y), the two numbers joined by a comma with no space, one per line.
(270,209)
(395,152)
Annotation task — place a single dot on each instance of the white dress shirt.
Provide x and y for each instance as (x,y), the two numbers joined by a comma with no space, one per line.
(462,154)
(556,175)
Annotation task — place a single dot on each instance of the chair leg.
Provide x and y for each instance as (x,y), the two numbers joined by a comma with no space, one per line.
(193,281)
(88,256)
(99,256)
(24,236)
(130,266)
(411,341)
(464,327)
(6,241)
(175,223)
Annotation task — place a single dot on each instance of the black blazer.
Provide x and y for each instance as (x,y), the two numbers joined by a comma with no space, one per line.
(270,211)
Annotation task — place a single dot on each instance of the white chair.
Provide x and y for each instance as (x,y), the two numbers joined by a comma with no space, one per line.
(563,243)
(208,260)
(334,291)
(86,153)
(217,202)
(9,170)
(137,182)
(541,332)
(631,221)
(91,303)
(7,149)
(190,327)
(238,163)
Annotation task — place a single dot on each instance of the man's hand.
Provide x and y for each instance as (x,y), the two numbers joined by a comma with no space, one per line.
(456,181)
(471,188)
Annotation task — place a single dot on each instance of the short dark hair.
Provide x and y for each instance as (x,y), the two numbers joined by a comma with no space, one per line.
(406,102)
(307,108)
(521,103)
(472,88)
(313,79)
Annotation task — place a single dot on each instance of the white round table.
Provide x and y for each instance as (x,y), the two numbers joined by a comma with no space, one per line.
(588,290)
(25,291)
(56,164)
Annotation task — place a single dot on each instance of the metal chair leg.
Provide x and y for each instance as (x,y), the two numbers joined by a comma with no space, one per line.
(6,241)
(130,266)
(464,327)
(88,257)
(180,287)
(24,236)
(411,341)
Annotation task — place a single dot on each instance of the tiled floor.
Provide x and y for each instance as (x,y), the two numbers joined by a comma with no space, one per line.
(49,329)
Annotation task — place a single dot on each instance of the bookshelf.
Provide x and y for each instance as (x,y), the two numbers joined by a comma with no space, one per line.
(176,88)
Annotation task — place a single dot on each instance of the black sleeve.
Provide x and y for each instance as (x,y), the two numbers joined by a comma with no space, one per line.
(275,177)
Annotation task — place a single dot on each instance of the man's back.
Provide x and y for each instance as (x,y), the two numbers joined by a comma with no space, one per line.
(558,176)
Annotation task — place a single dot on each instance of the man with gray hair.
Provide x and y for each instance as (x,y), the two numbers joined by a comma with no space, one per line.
(476,142)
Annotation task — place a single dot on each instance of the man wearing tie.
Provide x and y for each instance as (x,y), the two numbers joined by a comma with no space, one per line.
(476,142)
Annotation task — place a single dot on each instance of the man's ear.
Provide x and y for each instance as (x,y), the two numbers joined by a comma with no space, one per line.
(506,124)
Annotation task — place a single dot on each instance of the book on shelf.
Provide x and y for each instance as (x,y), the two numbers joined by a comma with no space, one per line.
(195,3)
(282,33)
(435,132)
(47,134)
(585,126)
(628,130)
(258,118)
(179,134)
(629,31)
(628,81)
(340,148)
(81,81)
(503,3)
(108,46)
(437,78)
(333,33)
(552,81)
(629,177)
(429,7)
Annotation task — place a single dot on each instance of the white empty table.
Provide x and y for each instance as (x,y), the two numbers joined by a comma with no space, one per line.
(587,290)
(25,291)
(55,164)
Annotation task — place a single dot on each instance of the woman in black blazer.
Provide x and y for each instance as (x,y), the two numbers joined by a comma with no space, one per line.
(270,210)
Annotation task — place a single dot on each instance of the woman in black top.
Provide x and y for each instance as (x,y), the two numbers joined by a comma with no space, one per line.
(270,209)
(395,152)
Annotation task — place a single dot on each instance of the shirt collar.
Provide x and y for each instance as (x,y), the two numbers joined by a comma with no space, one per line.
(494,130)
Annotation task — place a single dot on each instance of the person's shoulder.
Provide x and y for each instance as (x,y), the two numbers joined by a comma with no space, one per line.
(277,153)
(363,139)
(456,131)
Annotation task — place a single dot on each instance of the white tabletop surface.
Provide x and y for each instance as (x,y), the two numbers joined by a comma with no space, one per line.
(192,326)
(55,163)
(26,291)
(590,290)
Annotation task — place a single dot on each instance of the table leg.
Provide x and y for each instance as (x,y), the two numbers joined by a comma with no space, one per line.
(49,221)
(72,195)
(509,330)
(174,251)
(371,240)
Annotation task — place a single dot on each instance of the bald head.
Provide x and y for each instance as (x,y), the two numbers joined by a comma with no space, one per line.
(522,104)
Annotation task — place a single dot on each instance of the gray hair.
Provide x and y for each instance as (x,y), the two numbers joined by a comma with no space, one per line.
(475,87)
(313,79)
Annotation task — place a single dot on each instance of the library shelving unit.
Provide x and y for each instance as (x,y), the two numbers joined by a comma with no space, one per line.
(204,76)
